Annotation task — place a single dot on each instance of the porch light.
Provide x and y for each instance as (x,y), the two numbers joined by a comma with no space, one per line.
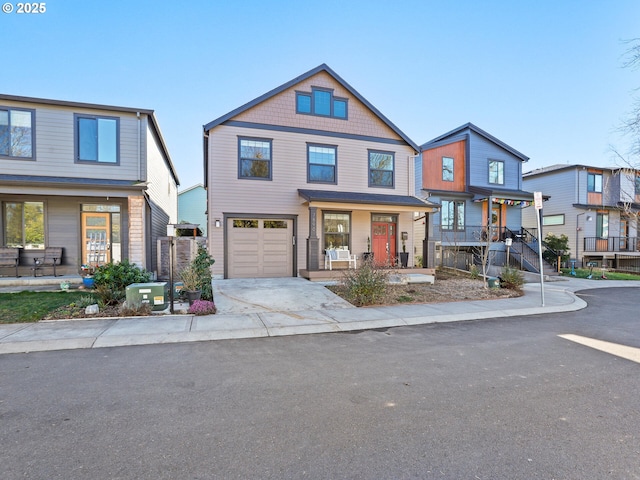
(217,223)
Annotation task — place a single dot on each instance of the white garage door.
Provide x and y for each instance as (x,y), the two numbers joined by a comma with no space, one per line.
(259,248)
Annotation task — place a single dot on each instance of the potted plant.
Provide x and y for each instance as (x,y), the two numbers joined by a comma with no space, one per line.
(404,256)
(368,255)
(86,271)
(191,283)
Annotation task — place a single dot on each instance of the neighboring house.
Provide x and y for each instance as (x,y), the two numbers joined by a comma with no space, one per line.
(477,180)
(596,208)
(192,207)
(96,180)
(308,166)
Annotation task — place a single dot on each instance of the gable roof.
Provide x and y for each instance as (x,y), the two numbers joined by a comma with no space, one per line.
(321,68)
(111,108)
(479,131)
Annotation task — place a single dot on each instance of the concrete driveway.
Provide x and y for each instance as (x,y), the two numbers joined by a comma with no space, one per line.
(259,295)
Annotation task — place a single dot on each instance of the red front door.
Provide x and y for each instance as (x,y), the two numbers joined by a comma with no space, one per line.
(384,243)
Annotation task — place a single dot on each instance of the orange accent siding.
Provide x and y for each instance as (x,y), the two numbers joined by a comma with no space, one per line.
(432,167)
(594,198)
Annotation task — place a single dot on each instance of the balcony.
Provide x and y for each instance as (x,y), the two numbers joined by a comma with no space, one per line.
(611,244)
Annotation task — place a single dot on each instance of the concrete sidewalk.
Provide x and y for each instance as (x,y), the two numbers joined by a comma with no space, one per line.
(242,316)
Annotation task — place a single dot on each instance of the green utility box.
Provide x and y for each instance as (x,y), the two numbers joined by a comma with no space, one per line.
(155,294)
(493,282)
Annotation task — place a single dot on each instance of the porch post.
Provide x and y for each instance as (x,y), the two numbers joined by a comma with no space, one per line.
(313,242)
(426,261)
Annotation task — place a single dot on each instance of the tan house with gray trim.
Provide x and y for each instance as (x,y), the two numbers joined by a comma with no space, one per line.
(96,180)
(306,167)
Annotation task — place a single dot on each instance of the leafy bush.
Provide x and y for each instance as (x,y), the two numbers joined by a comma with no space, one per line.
(474,272)
(201,265)
(366,285)
(556,244)
(511,278)
(202,307)
(112,279)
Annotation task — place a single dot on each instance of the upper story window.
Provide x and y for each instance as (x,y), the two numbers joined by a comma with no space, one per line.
(496,172)
(97,139)
(594,182)
(254,158)
(447,169)
(16,133)
(322,163)
(321,102)
(381,169)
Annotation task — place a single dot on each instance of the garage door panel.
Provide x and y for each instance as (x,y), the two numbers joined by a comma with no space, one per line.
(259,248)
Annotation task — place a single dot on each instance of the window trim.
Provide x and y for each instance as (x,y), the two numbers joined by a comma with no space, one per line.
(549,220)
(456,216)
(594,175)
(501,170)
(349,233)
(332,103)
(76,139)
(452,169)
(3,213)
(335,165)
(255,139)
(393,170)
(32,111)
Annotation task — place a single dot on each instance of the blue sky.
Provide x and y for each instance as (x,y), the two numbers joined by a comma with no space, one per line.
(543,76)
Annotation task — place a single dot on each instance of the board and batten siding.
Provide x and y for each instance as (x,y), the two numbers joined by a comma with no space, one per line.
(229,194)
(54,145)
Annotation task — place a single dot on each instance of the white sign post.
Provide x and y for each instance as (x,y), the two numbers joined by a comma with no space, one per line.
(537,201)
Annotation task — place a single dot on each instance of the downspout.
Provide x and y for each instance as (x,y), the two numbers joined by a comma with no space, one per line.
(138,150)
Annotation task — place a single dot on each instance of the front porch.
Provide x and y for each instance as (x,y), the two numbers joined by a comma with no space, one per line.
(44,282)
(336,275)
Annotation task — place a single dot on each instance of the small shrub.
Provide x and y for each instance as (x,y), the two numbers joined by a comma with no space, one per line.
(112,279)
(475,272)
(366,285)
(511,278)
(202,307)
(135,309)
(84,301)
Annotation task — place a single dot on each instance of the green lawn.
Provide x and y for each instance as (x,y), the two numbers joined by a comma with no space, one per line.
(33,306)
(597,274)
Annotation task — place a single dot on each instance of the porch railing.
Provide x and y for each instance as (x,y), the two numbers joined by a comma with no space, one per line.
(611,244)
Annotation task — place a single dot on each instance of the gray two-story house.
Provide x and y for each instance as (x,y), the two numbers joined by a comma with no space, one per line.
(96,180)
(595,207)
(477,180)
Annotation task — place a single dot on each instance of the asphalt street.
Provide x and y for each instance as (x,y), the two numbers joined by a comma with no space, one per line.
(504,398)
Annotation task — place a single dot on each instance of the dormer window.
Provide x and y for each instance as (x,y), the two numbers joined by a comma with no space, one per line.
(321,102)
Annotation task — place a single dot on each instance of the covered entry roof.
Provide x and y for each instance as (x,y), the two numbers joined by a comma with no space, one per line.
(366,201)
(503,196)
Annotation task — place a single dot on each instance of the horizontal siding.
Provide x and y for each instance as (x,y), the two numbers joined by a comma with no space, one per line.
(228,194)
(54,142)
(482,151)
(162,188)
